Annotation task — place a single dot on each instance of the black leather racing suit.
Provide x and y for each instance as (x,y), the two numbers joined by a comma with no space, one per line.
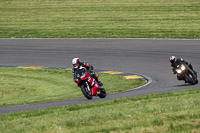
(90,69)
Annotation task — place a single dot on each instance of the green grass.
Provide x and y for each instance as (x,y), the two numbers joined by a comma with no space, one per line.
(25,86)
(100,19)
(170,112)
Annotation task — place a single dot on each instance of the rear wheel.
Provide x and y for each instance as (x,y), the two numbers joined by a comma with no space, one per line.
(86,91)
(197,81)
(103,92)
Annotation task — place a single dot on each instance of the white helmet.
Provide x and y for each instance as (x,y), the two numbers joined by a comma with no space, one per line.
(172,59)
(76,62)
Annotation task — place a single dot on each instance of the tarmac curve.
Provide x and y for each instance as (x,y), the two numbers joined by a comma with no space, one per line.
(147,57)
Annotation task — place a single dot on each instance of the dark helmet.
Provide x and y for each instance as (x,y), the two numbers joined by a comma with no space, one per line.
(76,62)
(172,59)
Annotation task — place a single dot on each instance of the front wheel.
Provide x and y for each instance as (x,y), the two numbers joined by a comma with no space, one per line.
(190,79)
(86,91)
(103,93)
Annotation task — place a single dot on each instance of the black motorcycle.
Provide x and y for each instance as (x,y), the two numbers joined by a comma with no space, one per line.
(186,73)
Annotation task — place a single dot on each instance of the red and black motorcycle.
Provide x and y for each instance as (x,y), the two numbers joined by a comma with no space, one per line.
(88,84)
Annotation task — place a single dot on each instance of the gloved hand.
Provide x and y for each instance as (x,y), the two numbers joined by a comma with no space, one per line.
(174,71)
(75,80)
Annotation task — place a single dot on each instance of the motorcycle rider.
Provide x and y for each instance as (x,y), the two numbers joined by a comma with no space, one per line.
(177,61)
(76,62)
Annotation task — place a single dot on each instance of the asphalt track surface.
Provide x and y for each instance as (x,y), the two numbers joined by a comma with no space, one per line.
(148,57)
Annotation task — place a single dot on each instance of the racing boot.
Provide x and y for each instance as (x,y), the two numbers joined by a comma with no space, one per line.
(195,72)
(95,76)
(191,67)
(100,83)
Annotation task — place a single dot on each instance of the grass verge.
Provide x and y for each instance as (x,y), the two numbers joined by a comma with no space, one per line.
(100,19)
(169,112)
(25,86)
